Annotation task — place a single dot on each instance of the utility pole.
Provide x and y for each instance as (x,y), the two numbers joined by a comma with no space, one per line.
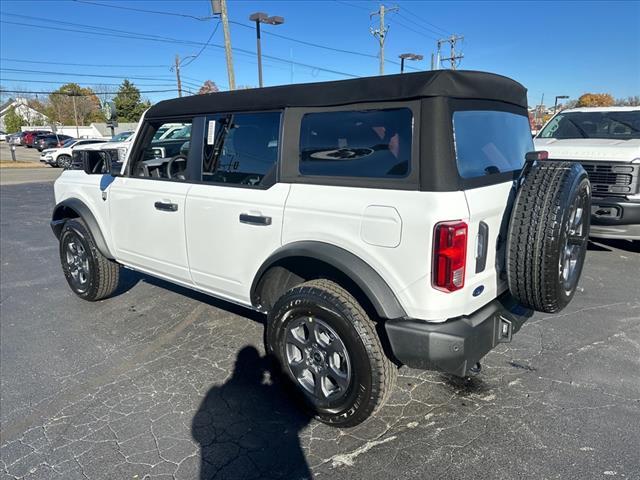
(381,32)
(452,44)
(178,75)
(219,7)
(75,114)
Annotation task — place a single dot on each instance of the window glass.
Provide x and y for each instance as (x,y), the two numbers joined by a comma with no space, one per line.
(165,157)
(621,125)
(489,142)
(370,143)
(121,137)
(241,148)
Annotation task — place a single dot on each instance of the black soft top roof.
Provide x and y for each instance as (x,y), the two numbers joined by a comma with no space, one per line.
(438,83)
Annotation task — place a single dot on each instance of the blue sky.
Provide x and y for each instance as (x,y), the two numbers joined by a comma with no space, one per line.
(555,48)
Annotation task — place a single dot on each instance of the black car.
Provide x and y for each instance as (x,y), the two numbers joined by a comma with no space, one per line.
(50,141)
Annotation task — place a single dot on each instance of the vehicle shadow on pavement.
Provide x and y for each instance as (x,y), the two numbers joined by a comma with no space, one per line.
(129,279)
(249,427)
(606,244)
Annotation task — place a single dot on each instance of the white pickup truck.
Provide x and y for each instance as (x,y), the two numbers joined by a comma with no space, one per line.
(606,141)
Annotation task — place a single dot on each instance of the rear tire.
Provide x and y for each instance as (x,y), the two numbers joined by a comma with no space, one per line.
(548,234)
(327,346)
(90,274)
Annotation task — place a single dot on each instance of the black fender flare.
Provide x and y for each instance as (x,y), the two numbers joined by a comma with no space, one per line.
(361,273)
(73,208)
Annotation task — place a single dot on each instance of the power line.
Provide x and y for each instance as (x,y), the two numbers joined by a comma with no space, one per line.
(412,29)
(240,24)
(18,70)
(158,12)
(155,38)
(203,46)
(22,80)
(80,64)
(420,19)
(78,94)
(418,25)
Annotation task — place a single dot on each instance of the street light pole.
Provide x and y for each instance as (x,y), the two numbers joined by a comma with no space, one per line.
(261,17)
(408,56)
(259,50)
(555,105)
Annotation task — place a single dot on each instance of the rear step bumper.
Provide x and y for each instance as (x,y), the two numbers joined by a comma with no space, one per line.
(456,345)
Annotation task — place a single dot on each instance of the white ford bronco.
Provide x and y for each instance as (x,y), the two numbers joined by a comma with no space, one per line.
(606,141)
(379,221)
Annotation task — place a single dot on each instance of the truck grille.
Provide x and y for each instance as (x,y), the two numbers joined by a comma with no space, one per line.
(612,178)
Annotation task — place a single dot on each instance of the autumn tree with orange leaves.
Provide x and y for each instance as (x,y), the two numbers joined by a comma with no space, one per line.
(595,100)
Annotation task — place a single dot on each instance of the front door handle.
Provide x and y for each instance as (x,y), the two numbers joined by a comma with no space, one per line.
(254,219)
(166,206)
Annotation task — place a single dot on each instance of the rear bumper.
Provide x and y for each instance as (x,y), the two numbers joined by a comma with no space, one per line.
(613,217)
(458,344)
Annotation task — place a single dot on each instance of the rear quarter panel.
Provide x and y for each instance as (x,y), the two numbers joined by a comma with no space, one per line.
(398,247)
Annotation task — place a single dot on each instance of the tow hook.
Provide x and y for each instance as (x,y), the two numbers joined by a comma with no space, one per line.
(505,330)
(475,369)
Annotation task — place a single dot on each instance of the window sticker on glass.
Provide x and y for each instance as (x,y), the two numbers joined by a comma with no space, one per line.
(211,133)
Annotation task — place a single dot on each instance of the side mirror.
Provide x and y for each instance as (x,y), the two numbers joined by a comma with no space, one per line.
(99,162)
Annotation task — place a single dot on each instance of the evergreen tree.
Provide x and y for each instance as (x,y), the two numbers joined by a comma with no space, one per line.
(129,105)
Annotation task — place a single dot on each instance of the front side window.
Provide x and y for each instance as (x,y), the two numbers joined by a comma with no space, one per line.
(241,149)
(620,125)
(489,142)
(365,143)
(166,158)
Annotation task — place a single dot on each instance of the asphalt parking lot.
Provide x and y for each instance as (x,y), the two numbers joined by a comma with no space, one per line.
(161,382)
(23,154)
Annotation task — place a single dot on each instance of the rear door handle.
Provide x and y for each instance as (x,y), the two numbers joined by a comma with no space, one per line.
(166,206)
(254,219)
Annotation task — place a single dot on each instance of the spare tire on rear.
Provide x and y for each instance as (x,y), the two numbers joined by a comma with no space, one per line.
(548,234)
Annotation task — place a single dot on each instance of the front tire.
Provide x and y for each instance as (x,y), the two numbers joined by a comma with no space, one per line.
(327,345)
(63,161)
(90,274)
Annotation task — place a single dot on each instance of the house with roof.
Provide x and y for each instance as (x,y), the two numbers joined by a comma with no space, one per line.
(22,108)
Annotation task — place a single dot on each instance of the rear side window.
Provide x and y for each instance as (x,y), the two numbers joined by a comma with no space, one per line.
(489,142)
(370,143)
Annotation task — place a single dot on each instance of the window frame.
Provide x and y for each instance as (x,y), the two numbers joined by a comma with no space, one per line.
(289,168)
(145,136)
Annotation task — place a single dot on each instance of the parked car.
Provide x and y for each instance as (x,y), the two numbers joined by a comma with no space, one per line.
(350,214)
(3,136)
(51,141)
(606,142)
(28,137)
(16,138)
(10,137)
(61,157)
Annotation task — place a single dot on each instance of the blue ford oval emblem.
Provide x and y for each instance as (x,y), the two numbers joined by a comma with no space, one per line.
(478,290)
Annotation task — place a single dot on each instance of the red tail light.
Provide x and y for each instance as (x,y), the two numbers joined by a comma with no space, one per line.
(449,256)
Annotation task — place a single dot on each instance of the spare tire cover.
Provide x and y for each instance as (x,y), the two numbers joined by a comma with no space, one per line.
(548,234)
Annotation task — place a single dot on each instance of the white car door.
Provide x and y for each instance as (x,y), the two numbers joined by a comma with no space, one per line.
(234,216)
(147,209)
